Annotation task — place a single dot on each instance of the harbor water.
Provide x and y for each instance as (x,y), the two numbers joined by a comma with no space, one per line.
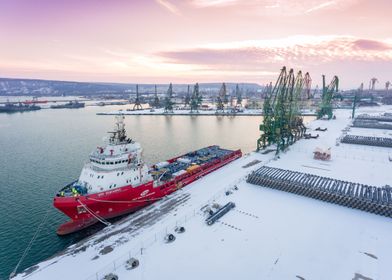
(41,151)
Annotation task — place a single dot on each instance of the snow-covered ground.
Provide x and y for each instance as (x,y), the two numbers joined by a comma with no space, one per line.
(268,235)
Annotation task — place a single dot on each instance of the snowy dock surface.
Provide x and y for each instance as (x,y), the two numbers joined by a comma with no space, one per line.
(268,235)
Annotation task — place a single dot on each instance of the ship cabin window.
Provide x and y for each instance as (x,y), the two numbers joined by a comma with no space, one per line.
(102,176)
(122,173)
(111,162)
(118,174)
(115,185)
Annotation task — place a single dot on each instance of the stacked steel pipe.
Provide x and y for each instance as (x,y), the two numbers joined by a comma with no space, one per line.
(365,123)
(382,118)
(353,195)
(367,140)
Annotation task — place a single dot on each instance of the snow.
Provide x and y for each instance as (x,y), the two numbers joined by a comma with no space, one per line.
(268,235)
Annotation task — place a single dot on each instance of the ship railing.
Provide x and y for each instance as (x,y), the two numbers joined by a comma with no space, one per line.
(67,187)
(138,251)
(123,168)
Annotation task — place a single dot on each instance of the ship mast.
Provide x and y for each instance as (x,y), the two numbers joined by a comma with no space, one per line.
(119,134)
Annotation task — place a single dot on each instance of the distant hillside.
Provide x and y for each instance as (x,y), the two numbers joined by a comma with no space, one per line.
(17,87)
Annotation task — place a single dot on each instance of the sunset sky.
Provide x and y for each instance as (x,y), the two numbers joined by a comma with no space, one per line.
(187,41)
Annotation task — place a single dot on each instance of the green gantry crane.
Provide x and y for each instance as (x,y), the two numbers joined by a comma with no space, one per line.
(168,100)
(196,99)
(238,95)
(220,107)
(187,99)
(329,93)
(156,103)
(282,123)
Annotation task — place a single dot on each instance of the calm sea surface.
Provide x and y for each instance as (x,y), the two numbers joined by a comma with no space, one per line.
(42,151)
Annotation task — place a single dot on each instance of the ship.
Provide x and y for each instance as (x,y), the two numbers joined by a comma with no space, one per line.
(69,105)
(35,101)
(116,180)
(19,107)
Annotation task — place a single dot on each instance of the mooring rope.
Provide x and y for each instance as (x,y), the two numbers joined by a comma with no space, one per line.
(13,273)
(99,218)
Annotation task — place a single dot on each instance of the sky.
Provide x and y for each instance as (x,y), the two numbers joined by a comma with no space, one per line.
(188,41)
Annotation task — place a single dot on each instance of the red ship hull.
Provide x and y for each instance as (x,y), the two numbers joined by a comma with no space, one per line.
(127,199)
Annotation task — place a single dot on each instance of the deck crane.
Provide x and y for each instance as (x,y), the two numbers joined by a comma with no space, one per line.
(168,100)
(137,105)
(327,96)
(220,107)
(196,99)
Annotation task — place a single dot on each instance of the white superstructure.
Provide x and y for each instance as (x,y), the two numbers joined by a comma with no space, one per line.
(117,164)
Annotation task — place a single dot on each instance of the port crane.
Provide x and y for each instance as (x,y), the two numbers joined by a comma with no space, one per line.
(238,95)
(156,102)
(168,100)
(387,85)
(282,123)
(196,99)
(328,94)
(372,83)
(137,105)
(188,96)
(308,85)
(220,107)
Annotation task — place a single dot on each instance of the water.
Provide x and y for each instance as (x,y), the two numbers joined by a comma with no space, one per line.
(42,151)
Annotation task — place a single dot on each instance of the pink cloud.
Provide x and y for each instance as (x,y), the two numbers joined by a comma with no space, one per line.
(298,50)
(371,45)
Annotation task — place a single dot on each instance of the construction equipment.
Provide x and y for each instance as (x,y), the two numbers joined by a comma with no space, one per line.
(282,122)
(168,100)
(196,99)
(137,105)
(329,93)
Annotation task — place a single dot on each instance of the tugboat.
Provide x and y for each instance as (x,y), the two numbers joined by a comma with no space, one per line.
(19,107)
(70,105)
(116,181)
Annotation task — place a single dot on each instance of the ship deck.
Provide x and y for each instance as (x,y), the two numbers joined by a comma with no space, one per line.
(177,166)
